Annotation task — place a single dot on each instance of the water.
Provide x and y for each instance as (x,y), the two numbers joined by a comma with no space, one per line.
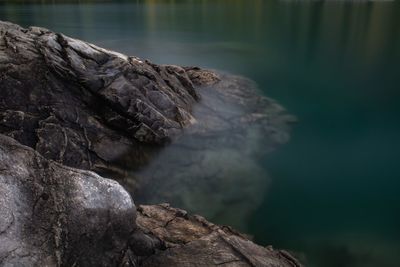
(334,194)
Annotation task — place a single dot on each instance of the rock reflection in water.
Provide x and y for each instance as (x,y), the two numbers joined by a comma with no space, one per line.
(213,168)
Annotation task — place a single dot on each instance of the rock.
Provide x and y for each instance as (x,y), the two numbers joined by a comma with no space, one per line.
(193,241)
(67,106)
(53,215)
(214,169)
(201,77)
(90,108)
(71,100)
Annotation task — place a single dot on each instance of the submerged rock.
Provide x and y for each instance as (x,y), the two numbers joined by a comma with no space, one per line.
(80,106)
(215,168)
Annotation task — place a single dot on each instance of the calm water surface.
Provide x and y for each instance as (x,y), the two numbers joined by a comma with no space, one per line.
(335,189)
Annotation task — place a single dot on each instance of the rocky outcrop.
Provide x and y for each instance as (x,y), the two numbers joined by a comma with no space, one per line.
(193,241)
(68,107)
(53,215)
(72,101)
(90,108)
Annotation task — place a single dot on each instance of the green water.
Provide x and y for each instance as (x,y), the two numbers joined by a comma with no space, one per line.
(335,191)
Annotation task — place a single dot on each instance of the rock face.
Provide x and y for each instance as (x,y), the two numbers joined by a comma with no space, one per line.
(68,108)
(193,241)
(53,215)
(72,101)
(90,108)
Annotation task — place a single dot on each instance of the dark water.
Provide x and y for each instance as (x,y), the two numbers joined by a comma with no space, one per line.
(335,189)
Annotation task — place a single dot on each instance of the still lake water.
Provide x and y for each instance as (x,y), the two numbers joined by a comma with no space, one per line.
(334,194)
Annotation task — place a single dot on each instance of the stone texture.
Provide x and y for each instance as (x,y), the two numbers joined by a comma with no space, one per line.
(65,102)
(72,101)
(90,108)
(53,215)
(193,241)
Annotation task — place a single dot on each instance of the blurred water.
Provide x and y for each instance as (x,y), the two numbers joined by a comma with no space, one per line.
(335,188)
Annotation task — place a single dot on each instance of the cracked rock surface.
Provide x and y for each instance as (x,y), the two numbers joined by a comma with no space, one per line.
(68,108)
(72,101)
(53,215)
(193,241)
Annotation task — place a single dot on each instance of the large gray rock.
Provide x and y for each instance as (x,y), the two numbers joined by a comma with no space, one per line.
(53,215)
(82,106)
(90,108)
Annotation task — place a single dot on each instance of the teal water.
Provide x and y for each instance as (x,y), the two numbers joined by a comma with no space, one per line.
(334,194)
